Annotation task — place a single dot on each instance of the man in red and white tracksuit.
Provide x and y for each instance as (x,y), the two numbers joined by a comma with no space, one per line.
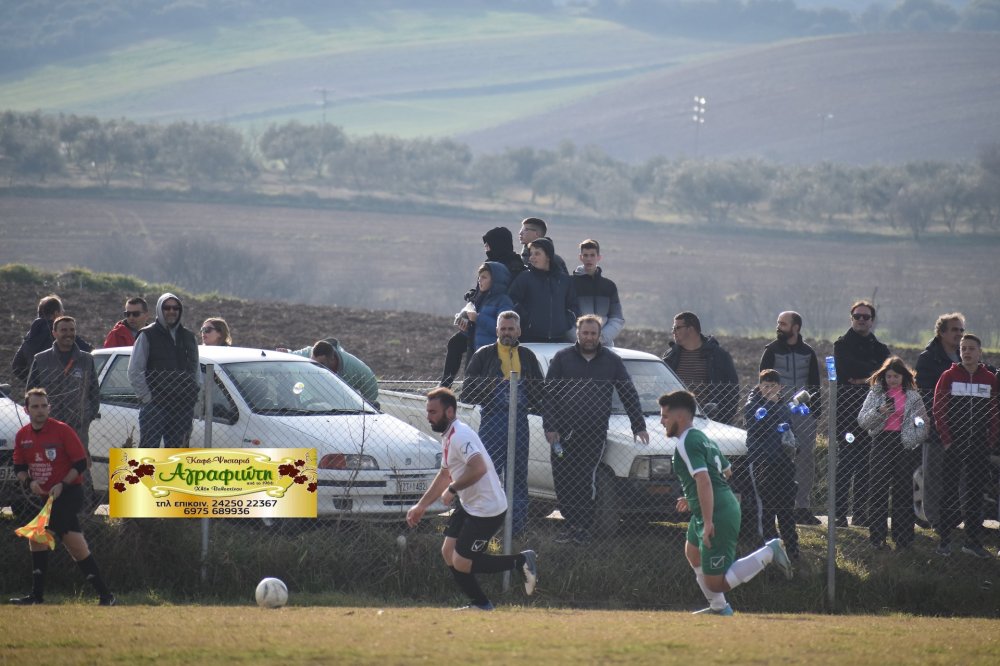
(967,418)
(50,461)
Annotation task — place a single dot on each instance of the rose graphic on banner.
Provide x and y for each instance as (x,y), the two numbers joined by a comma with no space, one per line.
(213,483)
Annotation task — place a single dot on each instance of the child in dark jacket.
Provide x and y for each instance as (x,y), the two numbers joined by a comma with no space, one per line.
(772,464)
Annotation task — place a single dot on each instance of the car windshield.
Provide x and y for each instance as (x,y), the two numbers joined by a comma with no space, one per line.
(652,379)
(288,388)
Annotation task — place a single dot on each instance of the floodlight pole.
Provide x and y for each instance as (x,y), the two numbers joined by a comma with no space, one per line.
(698,117)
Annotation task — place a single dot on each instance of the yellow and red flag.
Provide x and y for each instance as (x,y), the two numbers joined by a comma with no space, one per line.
(36,530)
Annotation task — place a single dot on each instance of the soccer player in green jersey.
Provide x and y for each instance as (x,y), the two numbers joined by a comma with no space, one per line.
(715,512)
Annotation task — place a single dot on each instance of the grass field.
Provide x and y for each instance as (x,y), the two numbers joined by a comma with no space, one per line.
(403,73)
(81,634)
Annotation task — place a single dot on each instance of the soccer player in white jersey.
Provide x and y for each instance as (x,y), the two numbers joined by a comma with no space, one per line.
(467,474)
(715,512)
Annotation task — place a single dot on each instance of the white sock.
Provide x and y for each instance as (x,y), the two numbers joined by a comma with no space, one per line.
(716,600)
(746,568)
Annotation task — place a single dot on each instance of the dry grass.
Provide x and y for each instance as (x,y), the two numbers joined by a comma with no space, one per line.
(78,634)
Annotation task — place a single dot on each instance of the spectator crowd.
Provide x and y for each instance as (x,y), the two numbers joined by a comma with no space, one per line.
(890,419)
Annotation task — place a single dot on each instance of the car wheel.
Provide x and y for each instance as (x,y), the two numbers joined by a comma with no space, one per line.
(608,510)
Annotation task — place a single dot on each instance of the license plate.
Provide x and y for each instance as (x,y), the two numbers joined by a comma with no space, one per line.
(414,486)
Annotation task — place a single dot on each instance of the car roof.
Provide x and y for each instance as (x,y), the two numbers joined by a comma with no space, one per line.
(211,354)
(549,349)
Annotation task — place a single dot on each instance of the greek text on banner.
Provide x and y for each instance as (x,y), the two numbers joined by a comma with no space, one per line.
(212,483)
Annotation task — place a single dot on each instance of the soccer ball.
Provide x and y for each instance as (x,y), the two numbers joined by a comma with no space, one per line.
(271,593)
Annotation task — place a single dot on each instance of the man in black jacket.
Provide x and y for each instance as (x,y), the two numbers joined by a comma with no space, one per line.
(857,354)
(579,386)
(40,336)
(706,369)
(166,376)
(487,383)
(939,354)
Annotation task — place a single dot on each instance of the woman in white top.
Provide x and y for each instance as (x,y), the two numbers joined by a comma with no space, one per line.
(894,415)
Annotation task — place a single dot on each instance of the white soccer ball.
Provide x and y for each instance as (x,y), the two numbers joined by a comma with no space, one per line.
(271,593)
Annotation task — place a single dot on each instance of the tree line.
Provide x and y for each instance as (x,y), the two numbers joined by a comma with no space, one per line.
(914,197)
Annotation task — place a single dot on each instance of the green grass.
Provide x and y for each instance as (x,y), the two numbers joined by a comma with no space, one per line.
(453,64)
(77,634)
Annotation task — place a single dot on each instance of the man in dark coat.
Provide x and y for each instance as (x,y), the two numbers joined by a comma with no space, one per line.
(487,383)
(68,376)
(857,354)
(704,366)
(545,298)
(579,386)
(939,355)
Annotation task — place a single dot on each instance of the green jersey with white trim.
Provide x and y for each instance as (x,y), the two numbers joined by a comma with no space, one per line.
(696,453)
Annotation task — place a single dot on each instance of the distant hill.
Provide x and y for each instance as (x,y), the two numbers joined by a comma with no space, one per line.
(856,99)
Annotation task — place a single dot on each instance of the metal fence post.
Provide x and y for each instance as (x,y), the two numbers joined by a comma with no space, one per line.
(831,487)
(208,416)
(508,475)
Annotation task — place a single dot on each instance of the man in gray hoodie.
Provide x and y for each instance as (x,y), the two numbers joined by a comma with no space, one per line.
(166,376)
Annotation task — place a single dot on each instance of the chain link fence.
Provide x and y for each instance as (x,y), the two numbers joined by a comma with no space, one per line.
(599,505)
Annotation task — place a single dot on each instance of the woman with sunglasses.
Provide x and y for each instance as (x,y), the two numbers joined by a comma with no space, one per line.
(215,333)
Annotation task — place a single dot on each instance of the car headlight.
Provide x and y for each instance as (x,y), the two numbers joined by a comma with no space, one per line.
(651,467)
(437,459)
(347,461)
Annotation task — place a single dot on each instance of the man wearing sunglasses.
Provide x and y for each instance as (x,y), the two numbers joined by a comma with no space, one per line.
(136,315)
(165,374)
(858,354)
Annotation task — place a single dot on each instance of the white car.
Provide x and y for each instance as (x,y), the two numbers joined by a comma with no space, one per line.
(370,464)
(634,478)
(12,418)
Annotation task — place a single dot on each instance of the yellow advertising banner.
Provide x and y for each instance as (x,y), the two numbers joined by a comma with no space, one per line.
(212,483)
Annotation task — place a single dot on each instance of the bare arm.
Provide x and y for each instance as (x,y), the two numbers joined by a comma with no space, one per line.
(437,487)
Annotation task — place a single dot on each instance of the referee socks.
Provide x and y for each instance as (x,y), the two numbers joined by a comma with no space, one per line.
(90,571)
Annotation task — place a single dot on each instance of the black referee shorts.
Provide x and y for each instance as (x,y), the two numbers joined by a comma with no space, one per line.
(472,534)
(65,516)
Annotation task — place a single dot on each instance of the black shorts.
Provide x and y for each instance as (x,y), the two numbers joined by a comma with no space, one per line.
(65,516)
(472,534)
